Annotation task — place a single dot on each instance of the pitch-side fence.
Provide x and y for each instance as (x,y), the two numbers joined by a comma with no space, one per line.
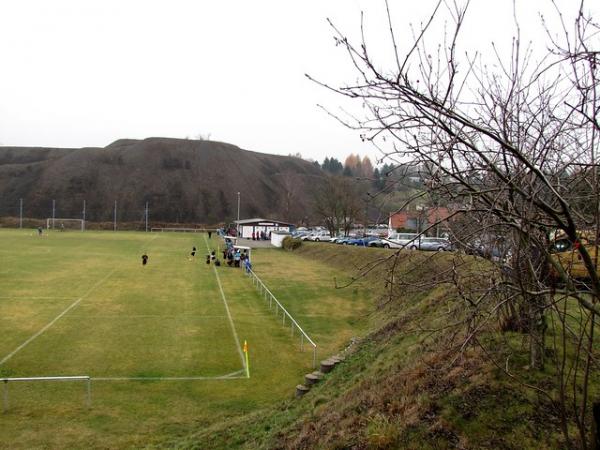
(57,217)
(268,295)
(87,379)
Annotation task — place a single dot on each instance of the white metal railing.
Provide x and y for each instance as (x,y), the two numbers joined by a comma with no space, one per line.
(268,295)
(87,379)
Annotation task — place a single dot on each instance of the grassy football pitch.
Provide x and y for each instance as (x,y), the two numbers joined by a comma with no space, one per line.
(162,343)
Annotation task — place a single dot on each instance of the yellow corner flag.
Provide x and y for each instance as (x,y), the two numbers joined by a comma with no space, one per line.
(247,360)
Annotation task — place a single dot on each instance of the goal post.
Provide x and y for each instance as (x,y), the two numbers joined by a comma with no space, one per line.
(84,378)
(65,224)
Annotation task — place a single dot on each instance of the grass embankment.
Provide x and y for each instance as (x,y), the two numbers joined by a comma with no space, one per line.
(409,383)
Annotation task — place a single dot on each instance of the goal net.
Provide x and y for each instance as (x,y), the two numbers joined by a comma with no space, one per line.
(30,392)
(65,224)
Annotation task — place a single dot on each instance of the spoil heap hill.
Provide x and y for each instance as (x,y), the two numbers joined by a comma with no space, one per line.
(183,181)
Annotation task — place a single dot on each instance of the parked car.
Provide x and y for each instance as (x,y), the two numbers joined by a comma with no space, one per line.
(376,243)
(318,236)
(299,234)
(399,240)
(344,240)
(566,253)
(389,243)
(431,244)
(362,241)
(493,248)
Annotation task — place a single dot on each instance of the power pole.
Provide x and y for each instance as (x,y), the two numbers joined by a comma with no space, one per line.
(20,213)
(146,214)
(53,212)
(83,217)
(238,214)
(115,217)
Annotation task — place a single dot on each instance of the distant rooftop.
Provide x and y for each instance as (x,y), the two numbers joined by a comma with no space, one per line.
(258,219)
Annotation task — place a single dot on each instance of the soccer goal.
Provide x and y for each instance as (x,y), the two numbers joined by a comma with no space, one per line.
(65,224)
(86,379)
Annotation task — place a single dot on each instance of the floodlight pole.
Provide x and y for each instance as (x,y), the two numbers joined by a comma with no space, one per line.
(146,215)
(53,212)
(83,217)
(238,214)
(20,213)
(115,217)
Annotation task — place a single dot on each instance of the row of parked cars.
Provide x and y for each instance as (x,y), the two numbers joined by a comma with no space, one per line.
(395,240)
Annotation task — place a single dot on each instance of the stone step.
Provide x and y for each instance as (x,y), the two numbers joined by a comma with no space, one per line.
(301,390)
(311,379)
(327,365)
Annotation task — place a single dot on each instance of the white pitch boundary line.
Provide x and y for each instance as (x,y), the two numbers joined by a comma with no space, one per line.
(69,308)
(147,316)
(235,335)
(240,374)
(16,297)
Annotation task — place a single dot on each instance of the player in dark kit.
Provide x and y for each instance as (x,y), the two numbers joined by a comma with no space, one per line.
(193,254)
(144,259)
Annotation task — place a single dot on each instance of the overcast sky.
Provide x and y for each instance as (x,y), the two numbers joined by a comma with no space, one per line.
(78,73)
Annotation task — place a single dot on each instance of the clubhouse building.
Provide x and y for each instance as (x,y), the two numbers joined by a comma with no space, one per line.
(246,227)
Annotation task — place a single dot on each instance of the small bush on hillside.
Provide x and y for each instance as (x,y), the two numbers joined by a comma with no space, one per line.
(290,243)
(382,432)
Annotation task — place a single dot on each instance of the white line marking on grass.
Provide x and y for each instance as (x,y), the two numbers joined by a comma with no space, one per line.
(235,336)
(147,316)
(16,297)
(69,308)
(240,374)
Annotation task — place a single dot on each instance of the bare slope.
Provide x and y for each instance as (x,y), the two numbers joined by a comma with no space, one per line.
(183,181)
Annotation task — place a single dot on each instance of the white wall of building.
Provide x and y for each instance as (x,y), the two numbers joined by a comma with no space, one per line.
(277,238)
(247,229)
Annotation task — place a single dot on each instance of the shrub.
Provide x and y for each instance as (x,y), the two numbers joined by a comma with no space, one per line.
(290,243)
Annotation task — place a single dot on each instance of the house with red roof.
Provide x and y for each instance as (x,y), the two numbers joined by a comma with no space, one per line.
(419,219)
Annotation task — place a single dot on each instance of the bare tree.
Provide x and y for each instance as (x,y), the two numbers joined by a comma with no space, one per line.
(514,150)
(338,204)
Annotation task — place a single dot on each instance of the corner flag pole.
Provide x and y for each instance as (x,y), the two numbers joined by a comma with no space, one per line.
(247,360)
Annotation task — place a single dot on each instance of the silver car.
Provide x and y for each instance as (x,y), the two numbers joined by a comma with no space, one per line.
(318,236)
(431,244)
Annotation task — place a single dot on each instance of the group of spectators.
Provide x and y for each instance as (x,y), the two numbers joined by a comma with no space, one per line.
(236,257)
(260,236)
